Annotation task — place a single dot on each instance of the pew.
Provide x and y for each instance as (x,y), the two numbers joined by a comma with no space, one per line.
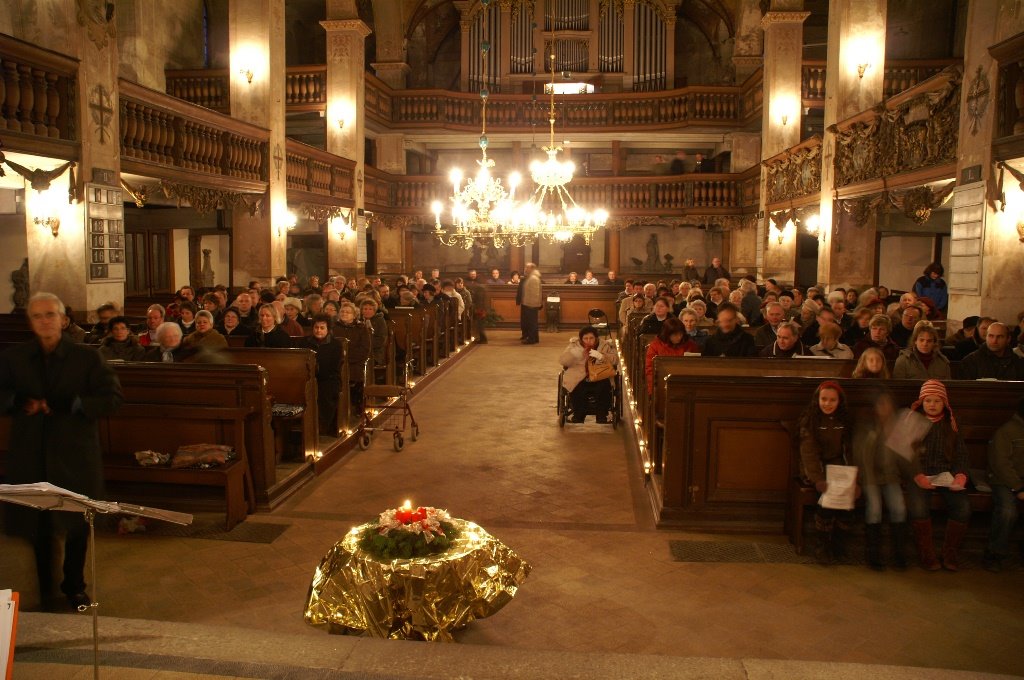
(409,340)
(291,379)
(436,347)
(728,444)
(665,366)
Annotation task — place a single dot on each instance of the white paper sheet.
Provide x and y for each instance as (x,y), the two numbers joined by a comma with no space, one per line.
(941,479)
(6,629)
(910,428)
(842,483)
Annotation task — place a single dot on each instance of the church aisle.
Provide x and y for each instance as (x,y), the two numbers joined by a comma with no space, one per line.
(571,502)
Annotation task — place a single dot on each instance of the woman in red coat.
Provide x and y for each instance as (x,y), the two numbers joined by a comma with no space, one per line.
(672,341)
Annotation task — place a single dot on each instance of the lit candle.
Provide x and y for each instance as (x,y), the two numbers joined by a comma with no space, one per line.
(407,505)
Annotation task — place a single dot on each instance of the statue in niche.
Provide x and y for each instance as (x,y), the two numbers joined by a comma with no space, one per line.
(653,262)
(19,279)
(668,263)
(207,273)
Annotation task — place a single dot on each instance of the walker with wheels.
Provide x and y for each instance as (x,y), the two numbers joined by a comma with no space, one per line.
(389,404)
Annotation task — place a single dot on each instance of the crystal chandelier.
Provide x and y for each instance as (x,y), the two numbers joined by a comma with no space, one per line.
(556,216)
(481,209)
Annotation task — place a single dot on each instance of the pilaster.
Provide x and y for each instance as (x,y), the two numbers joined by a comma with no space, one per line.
(783,53)
(346,92)
(61,264)
(853,83)
(256,39)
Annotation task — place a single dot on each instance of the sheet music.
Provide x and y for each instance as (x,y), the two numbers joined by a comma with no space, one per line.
(842,482)
(911,427)
(7,612)
(35,488)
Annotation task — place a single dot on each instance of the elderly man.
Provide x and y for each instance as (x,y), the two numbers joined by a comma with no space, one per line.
(787,343)
(611,279)
(750,303)
(993,360)
(167,348)
(154,317)
(495,278)
(532,301)
(715,271)
(730,340)
(902,331)
(55,391)
(774,314)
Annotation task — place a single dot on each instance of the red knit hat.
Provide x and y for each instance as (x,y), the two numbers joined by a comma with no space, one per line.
(934,388)
(832,385)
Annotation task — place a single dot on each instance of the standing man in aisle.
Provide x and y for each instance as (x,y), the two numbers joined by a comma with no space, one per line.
(532,300)
(55,391)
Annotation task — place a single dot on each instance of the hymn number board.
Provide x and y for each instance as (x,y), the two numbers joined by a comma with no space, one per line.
(105,224)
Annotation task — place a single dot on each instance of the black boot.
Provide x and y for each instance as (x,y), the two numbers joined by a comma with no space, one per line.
(873,546)
(898,536)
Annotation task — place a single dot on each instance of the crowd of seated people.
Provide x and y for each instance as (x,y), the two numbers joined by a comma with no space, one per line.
(890,337)
(195,324)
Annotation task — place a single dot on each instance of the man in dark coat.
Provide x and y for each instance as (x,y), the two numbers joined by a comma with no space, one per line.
(730,340)
(55,391)
(994,360)
(715,271)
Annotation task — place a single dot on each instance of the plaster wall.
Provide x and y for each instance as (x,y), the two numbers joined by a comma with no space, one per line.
(154,35)
(179,250)
(219,257)
(682,243)
(901,259)
(46,23)
(13,251)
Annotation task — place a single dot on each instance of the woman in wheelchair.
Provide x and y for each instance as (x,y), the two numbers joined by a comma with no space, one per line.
(585,358)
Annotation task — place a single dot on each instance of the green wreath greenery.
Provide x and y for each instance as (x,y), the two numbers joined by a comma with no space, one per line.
(389,538)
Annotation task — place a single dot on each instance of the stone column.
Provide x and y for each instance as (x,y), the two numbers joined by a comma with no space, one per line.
(390,25)
(256,38)
(504,47)
(468,52)
(856,37)
(594,46)
(984,274)
(345,90)
(628,44)
(60,264)
(388,234)
(783,49)
(748,45)
(670,53)
(614,249)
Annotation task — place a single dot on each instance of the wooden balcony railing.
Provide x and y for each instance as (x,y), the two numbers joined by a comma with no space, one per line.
(306,90)
(914,130)
(705,194)
(314,175)
(37,95)
(794,173)
(165,137)
(899,76)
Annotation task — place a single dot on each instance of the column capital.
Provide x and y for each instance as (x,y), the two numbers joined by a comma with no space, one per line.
(751,61)
(390,66)
(772,18)
(347,26)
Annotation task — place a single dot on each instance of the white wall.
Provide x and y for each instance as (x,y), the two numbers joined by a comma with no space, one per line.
(218,258)
(179,244)
(902,259)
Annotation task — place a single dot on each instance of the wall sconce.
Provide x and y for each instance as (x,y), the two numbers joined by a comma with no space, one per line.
(247,72)
(862,67)
(776,233)
(286,221)
(53,223)
(813,225)
(341,123)
(341,224)
(784,110)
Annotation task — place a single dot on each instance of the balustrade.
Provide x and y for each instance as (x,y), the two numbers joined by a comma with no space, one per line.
(899,76)
(306,87)
(209,88)
(37,90)
(318,172)
(162,130)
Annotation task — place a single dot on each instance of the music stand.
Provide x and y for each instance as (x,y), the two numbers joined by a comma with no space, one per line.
(46,496)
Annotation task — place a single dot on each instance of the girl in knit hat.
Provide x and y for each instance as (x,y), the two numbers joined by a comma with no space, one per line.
(942,450)
(825,432)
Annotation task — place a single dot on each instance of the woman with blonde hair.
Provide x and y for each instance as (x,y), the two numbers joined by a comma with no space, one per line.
(871,365)
(922,359)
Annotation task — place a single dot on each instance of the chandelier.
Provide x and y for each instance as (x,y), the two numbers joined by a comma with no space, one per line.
(481,209)
(555,214)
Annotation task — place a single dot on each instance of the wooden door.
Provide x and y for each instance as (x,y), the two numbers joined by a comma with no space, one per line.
(148,258)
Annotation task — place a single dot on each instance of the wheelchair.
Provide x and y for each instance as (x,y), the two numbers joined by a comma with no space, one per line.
(599,320)
(564,403)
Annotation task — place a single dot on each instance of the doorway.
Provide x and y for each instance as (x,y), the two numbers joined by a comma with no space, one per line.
(806,260)
(148,260)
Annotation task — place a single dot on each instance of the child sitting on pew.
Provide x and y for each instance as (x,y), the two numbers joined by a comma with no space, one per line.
(825,434)
(880,471)
(942,452)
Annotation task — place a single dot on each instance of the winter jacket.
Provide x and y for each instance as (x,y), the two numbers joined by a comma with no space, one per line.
(532,294)
(574,361)
(909,366)
(1006,455)
(933,289)
(890,349)
(840,351)
(738,343)
(878,464)
(982,363)
(773,351)
(825,446)
(658,347)
(931,458)
(129,350)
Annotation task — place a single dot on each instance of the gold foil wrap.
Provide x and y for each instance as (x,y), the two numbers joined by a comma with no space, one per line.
(425,598)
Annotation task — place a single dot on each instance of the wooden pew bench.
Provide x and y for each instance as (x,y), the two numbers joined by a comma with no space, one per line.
(123,433)
(291,379)
(728,458)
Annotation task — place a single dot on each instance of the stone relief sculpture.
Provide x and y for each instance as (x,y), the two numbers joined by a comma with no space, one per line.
(207,273)
(19,279)
(653,262)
